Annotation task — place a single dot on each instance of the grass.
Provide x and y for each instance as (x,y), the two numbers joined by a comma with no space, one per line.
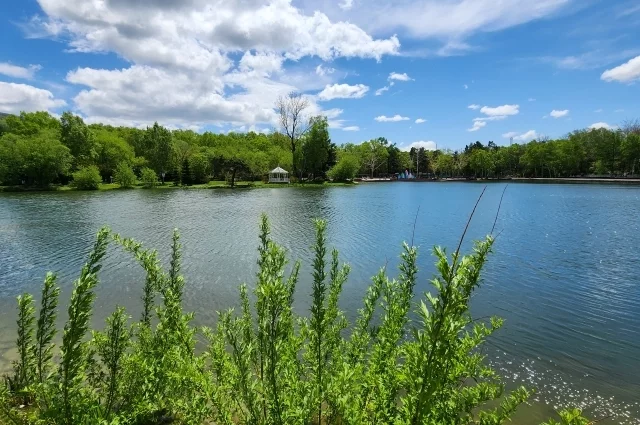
(214,184)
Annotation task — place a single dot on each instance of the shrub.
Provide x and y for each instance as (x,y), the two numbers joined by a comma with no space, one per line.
(345,169)
(265,365)
(87,178)
(148,177)
(124,175)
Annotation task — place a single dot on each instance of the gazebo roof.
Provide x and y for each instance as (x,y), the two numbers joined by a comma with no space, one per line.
(278,170)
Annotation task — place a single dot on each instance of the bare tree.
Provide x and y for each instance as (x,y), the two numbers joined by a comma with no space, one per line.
(292,120)
(631,127)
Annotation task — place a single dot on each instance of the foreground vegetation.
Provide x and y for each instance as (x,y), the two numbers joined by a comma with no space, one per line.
(399,363)
(39,150)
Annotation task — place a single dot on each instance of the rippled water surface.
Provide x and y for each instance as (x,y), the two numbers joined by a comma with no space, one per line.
(565,274)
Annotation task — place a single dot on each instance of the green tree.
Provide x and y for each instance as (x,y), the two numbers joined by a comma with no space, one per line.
(630,152)
(124,175)
(75,135)
(87,178)
(293,122)
(316,147)
(111,150)
(35,159)
(148,177)
(346,168)
(159,142)
(373,154)
(31,123)
(199,165)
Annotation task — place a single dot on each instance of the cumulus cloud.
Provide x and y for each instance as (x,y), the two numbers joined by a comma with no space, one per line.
(15,71)
(477,125)
(509,134)
(604,125)
(15,98)
(559,114)
(399,77)
(528,136)
(395,118)
(322,71)
(343,91)
(420,121)
(183,56)
(428,145)
(504,110)
(496,113)
(352,128)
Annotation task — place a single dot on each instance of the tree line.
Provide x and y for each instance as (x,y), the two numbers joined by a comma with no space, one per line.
(38,149)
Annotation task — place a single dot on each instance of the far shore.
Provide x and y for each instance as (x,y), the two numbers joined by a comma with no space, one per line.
(263,185)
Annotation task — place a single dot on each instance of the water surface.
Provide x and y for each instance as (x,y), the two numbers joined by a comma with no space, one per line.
(565,274)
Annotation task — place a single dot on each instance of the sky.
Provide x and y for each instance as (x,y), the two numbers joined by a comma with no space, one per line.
(428,73)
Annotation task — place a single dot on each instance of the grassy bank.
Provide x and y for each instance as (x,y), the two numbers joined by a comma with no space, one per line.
(217,184)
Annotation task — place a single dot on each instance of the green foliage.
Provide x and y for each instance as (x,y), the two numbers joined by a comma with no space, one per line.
(264,364)
(346,168)
(46,330)
(87,178)
(25,368)
(316,147)
(148,177)
(78,138)
(124,175)
(111,151)
(37,159)
(570,417)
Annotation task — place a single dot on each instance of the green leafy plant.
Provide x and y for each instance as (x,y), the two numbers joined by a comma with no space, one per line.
(124,175)
(148,177)
(87,178)
(264,364)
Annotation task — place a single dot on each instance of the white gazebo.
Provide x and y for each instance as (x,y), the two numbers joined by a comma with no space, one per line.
(278,175)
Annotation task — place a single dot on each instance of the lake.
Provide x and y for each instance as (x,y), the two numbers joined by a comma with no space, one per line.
(565,273)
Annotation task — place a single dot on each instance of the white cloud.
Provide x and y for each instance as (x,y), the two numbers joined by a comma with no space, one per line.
(395,118)
(190,48)
(598,110)
(604,125)
(15,98)
(531,99)
(453,19)
(504,110)
(343,91)
(510,134)
(428,145)
(15,71)
(352,128)
(559,114)
(477,125)
(322,71)
(497,113)
(420,121)
(382,90)
(346,4)
(528,136)
(624,73)
(619,110)
(263,62)
(399,77)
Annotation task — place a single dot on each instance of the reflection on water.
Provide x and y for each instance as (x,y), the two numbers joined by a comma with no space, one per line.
(564,274)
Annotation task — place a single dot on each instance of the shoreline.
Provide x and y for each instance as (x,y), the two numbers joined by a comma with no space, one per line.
(262,185)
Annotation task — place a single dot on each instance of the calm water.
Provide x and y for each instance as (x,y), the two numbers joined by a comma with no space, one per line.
(565,274)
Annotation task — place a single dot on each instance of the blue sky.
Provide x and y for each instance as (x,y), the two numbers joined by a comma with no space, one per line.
(418,72)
